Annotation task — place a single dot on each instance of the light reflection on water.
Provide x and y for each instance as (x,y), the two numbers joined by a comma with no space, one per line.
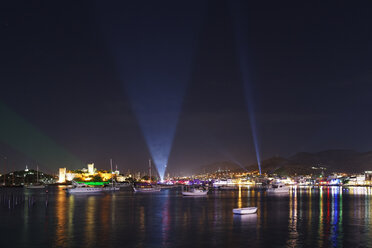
(61,213)
(306,217)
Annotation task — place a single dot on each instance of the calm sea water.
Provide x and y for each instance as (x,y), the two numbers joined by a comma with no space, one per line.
(327,217)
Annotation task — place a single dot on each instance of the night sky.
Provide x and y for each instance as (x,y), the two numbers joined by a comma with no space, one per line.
(89,81)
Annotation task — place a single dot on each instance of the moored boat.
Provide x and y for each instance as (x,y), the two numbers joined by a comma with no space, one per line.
(164,186)
(111,188)
(146,189)
(35,186)
(278,188)
(249,210)
(122,185)
(195,192)
(83,188)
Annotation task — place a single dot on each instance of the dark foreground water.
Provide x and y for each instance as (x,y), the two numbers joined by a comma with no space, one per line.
(327,217)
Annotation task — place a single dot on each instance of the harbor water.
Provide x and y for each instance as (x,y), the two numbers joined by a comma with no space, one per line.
(318,217)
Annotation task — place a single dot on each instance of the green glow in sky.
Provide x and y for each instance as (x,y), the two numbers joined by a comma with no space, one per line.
(23,137)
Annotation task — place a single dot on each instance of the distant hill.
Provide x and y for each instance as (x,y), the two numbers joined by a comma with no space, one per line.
(336,160)
(224,165)
(302,163)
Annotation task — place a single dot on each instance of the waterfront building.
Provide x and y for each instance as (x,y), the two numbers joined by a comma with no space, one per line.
(85,174)
(62,175)
(120,178)
(91,169)
(70,176)
(357,180)
(368,177)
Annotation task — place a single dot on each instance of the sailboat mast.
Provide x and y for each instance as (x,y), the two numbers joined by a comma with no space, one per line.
(4,157)
(150,169)
(37,174)
(112,182)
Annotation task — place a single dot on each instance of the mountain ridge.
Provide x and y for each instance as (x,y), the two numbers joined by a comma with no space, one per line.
(334,160)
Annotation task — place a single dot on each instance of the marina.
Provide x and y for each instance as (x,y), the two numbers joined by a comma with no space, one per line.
(186,124)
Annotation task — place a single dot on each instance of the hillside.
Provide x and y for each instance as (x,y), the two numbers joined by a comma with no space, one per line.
(302,163)
(224,165)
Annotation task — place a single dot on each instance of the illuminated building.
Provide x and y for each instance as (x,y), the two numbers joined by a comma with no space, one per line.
(361,179)
(120,178)
(70,176)
(368,177)
(91,169)
(105,175)
(84,174)
(62,175)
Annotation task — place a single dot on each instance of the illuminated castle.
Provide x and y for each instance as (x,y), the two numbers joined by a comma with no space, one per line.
(62,175)
(84,174)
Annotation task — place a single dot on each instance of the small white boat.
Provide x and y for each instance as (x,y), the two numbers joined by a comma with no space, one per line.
(278,188)
(250,210)
(195,192)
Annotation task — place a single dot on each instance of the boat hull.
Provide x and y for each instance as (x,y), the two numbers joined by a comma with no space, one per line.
(36,187)
(146,190)
(84,190)
(278,191)
(242,211)
(111,189)
(123,185)
(185,193)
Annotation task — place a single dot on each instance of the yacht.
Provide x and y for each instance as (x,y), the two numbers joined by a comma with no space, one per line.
(146,188)
(122,185)
(278,188)
(165,186)
(112,186)
(36,185)
(83,188)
